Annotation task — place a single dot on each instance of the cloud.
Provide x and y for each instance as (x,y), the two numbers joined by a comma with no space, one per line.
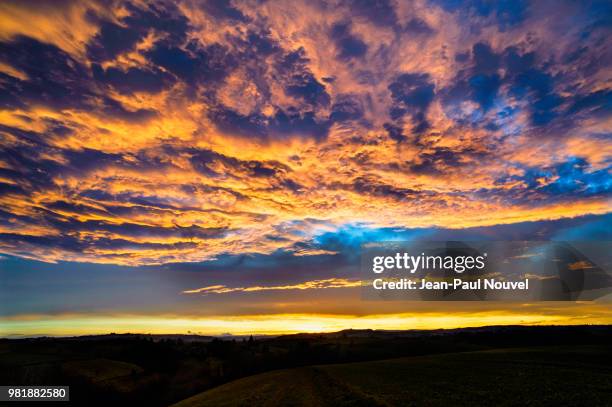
(348,45)
(165,132)
(308,285)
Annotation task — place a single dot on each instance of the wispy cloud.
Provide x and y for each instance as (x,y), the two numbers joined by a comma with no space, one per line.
(307,285)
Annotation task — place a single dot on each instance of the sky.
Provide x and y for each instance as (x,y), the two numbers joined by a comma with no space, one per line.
(214,166)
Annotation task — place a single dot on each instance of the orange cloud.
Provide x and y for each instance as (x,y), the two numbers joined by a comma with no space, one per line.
(264,135)
(307,285)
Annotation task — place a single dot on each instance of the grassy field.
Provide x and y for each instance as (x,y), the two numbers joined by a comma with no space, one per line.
(512,365)
(100,370)
(559,376)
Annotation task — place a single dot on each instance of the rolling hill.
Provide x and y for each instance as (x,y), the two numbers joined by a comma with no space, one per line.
(560,376)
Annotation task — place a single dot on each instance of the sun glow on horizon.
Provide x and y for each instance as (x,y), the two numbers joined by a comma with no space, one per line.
(276,324)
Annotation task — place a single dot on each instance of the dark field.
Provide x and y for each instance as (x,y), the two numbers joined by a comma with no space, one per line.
(563,376)
(476,366)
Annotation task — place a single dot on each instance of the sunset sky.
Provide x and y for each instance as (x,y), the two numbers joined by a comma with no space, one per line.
(214,166)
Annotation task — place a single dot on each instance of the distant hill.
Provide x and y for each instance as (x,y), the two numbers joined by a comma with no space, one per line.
(154,337)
